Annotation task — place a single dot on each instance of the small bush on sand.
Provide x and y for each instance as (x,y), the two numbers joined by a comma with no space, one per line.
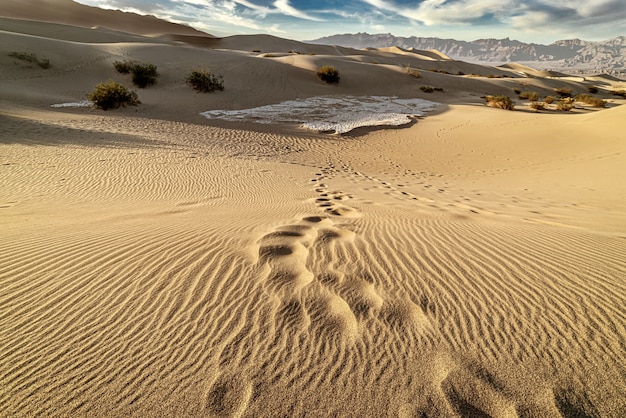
(124,67)
(427,89)
(517,90)
(25,56)
(538,105)
(592,89)
(590,100)
(533,96)
(564,105)
(549,100)
(144,75)
(500,102)
(563,91)
(203,81)
(328,74)
(111,95)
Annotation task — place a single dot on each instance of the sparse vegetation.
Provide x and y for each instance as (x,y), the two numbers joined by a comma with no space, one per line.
(590,100)
(517,90)
(538,105)
(32,58)
(427,89)
(203,81)
(123,67)
(563,91)
(328,74)
(111,95)
(529,95)
(270,55)
(258,51)
(144,75)
(564,105)
(412,72)
(549,99)
(500,102)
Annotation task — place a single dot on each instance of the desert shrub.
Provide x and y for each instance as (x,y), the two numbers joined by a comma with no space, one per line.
(517,90)
(413,72)
(460,73)
(500,102)
(328,74)
(123,67)
(563,91)
(144,75)
(564,105)
(203,81)
(111,95)
(621,93)
(549,99)
(427,89)
(269,55)
(258,51)
(590,100)
(538,105)
(529,95)
(592,89)
(25,56)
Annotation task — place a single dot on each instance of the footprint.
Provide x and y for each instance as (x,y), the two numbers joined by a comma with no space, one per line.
(229,396)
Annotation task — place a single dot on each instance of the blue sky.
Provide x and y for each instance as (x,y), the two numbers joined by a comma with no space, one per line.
(541,21)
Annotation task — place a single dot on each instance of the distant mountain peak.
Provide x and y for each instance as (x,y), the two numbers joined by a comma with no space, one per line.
(575,56)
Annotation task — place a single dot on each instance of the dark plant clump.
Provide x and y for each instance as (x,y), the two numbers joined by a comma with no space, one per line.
(592,89)
(427,89)
(111,95)
(549,99)
(204,81)
(144,75)
(328,74)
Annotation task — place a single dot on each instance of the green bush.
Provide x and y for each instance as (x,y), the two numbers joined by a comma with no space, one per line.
(427,89)
(563,92)
(529,95)
(500,102)
(111,95)
(144,75)
(590,100)
(204,81)
(328,74)
(25,56)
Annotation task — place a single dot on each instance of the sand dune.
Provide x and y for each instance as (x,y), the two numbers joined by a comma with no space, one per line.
(154,262)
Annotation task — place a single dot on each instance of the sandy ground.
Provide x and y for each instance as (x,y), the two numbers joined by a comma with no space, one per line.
(157,263)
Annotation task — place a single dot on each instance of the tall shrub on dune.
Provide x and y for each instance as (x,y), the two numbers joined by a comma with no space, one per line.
(328,74)
(111,95)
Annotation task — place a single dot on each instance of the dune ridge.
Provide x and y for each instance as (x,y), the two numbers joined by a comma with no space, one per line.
(157,263)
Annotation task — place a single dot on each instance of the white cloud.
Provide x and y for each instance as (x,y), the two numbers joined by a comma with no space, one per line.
(285,8)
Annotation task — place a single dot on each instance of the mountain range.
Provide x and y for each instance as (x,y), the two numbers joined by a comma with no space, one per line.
(574,56)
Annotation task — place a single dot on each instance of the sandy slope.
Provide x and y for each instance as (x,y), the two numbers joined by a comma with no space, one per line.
(155,264)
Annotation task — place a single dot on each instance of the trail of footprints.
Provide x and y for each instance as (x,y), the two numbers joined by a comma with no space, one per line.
(305,272)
